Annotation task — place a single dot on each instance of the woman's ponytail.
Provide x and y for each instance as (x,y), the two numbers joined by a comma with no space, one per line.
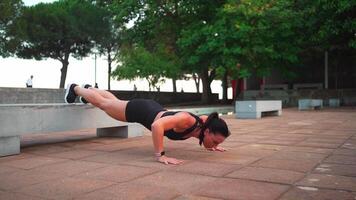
(207,124)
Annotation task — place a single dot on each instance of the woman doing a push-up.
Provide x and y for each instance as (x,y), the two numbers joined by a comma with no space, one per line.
(210,130)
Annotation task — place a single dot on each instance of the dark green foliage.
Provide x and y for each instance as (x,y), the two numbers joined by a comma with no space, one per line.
(9,11)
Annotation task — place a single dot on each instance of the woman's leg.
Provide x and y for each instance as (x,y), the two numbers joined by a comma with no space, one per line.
(114,107)
(104,93)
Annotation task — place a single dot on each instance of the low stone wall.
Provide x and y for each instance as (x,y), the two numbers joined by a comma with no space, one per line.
(290,97)
(39,95)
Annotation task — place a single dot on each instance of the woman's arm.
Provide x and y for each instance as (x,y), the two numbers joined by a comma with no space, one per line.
(180,121)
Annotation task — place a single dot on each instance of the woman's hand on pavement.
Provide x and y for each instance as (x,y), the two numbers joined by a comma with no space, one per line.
(217,148)
(167,160)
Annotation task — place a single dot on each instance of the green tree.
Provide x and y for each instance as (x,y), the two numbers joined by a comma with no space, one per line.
(10,10)
(154,30)
(138,62)
(58,30)
(196,49)
(328,24)
(109,44)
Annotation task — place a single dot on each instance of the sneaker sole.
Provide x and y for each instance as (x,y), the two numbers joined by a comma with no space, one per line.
(80,98)
(67,92)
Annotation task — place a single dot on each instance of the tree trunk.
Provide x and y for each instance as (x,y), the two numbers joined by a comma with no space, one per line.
(174,82)
(109,68)
(224,87)
(206,86)
(196,81)
(64,70)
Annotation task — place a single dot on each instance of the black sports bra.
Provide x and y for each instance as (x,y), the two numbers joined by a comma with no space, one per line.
(171,134)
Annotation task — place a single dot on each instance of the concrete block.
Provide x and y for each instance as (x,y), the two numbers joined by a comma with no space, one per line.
(308,86)
(257,109)
(9,145)
(334,102)
(306,104)
(129,131)
(274,86)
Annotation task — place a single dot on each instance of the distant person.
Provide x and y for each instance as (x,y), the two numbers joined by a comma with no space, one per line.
(96,85)
(179,125)
(29,82)
(135,87)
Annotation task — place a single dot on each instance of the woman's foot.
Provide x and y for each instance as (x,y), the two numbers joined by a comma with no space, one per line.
(70,95)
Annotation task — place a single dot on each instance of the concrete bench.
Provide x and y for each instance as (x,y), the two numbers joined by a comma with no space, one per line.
(274,87)
(21,119)
(257,109)
(307,86)
(307,104)
(206,110)
(334,102)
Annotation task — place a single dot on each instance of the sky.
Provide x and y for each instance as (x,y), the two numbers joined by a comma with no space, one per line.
(14,72)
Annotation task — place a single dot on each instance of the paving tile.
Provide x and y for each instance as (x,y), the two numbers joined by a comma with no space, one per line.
(209,169)
(288,155)
(349,144)
(191,155)
(293,165)
(309,149)
(253,151)
(288,136)
(231,159)
(81,144)
(346,152)
(112,158)
(24,178)
(265,147)
(312,193)
(233,144)
(66,188)
(75,154)
(329,181)
(241,189)
(318,144)
(194,197)
(68,168)
(267,174)
(128,190)
(149,162)
(117,173)
(341,159)
(278,142)
(303,131)
(20,156)
(16,196)
(178,182)
(8,170)
(33,162)
(336,169)
(111,147)
(45,149)
(324,139)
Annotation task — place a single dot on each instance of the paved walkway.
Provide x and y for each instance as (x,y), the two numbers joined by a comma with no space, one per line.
(300,155)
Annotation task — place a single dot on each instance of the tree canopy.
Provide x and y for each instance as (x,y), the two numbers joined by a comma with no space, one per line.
(58,30)
(167,39)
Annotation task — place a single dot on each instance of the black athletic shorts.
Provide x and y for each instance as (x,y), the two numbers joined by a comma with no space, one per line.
(142,111)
